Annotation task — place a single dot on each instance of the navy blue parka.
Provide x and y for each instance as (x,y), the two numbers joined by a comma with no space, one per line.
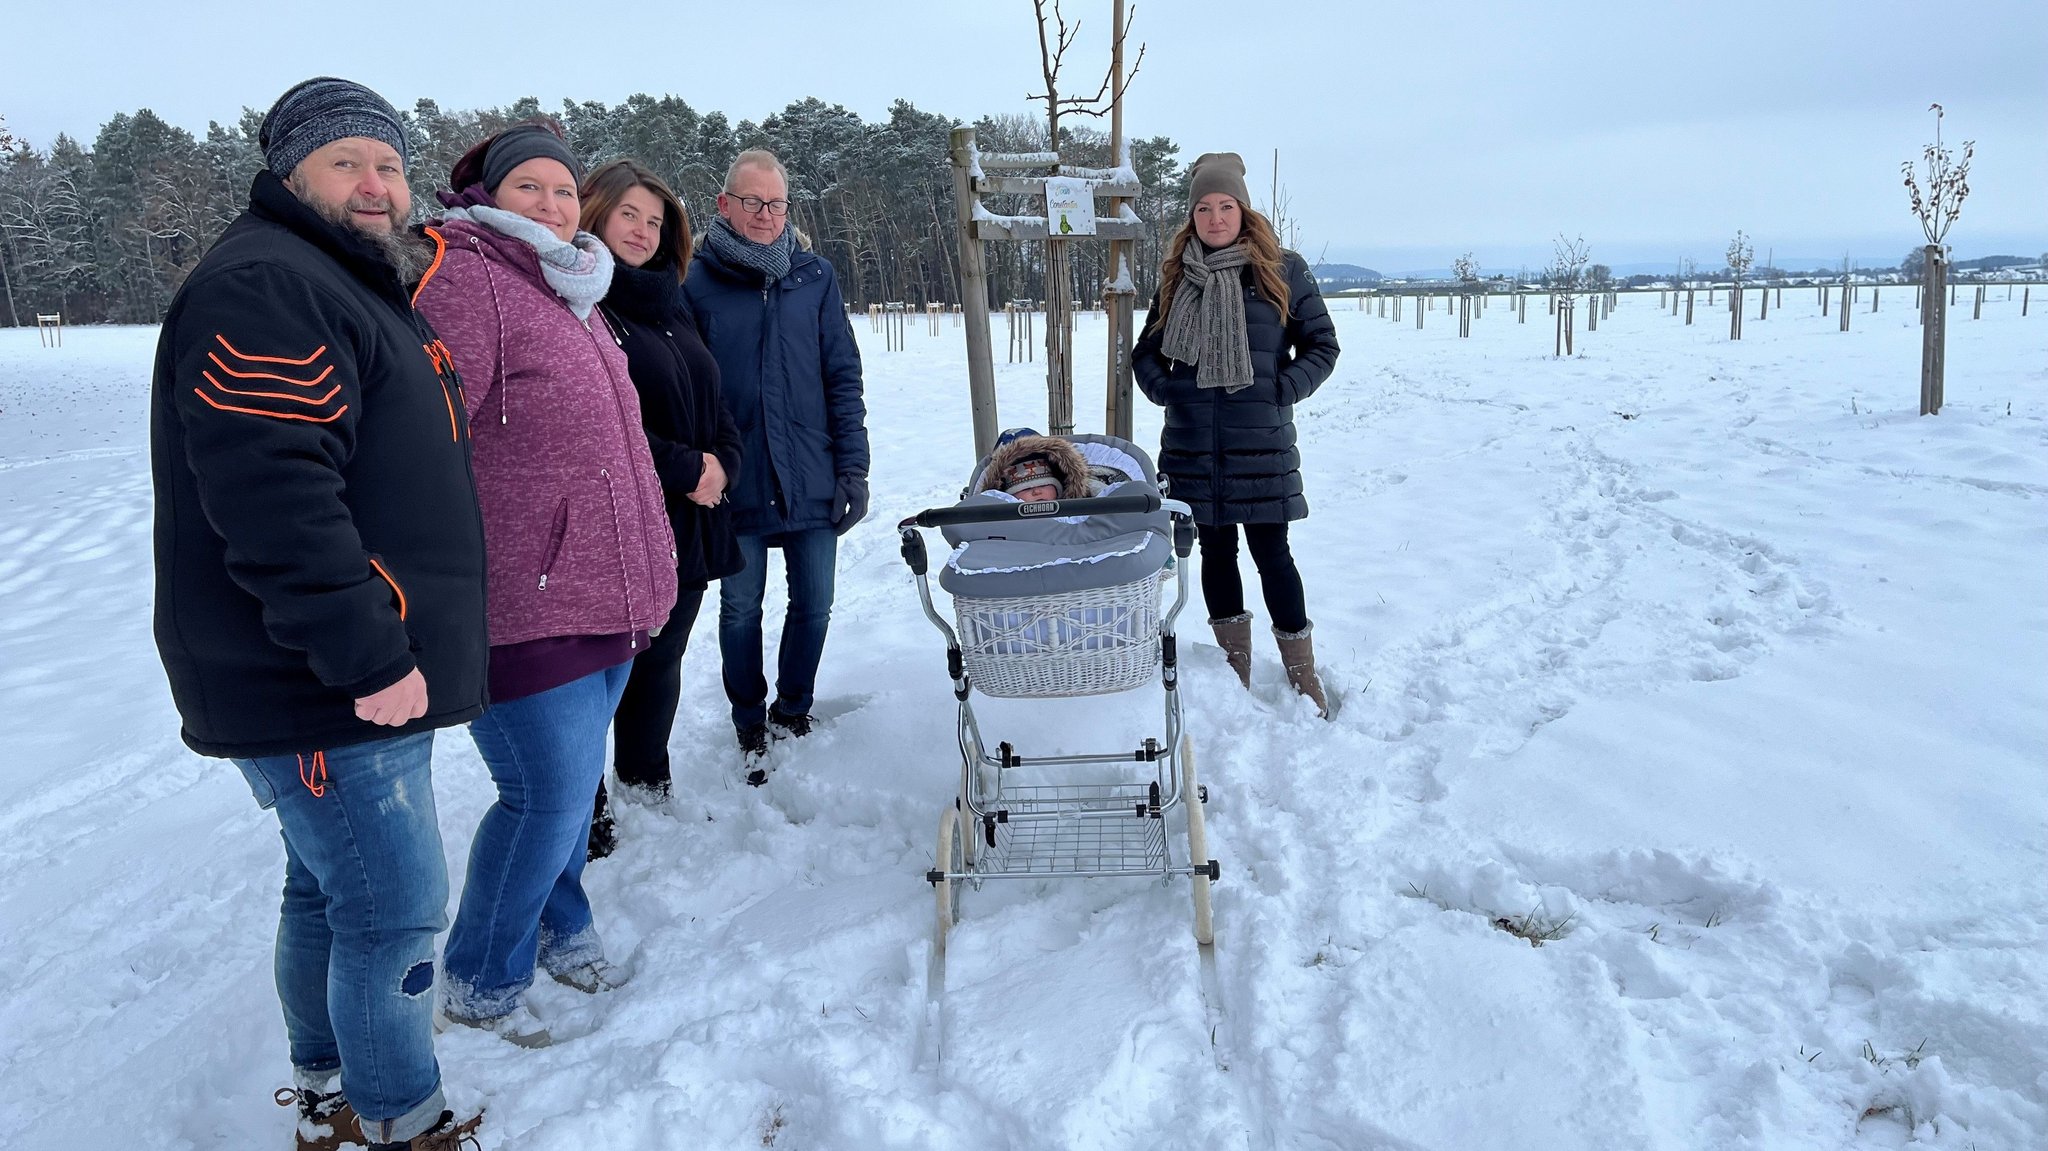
(790,372)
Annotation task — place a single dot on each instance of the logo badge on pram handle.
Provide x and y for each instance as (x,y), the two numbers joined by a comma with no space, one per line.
(1039,508)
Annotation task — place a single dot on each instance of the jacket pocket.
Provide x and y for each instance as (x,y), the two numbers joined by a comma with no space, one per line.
(397,592)
(556,535)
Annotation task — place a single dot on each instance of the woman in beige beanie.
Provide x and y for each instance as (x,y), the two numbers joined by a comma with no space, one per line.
(1236,336)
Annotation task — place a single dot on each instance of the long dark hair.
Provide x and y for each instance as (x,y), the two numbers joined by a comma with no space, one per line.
(604,188)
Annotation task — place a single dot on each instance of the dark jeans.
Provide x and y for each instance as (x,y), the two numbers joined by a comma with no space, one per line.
(809,557)
(647,711)
(1223,587)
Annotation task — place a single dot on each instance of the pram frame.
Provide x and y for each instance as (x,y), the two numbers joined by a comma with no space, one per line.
(997,830)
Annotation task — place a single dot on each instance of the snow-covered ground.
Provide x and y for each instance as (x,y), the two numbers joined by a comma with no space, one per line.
(1714,656)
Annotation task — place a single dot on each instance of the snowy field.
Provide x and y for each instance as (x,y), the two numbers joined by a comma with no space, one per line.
(1713,657)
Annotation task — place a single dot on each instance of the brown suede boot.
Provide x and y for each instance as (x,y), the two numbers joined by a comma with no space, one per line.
(1234,636)
(1298,653)
(326,1121)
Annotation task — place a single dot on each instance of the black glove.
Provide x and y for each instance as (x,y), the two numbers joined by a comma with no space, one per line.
(849,502)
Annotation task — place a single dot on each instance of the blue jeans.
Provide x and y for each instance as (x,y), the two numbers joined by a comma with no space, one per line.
(365,892)
(523,900)
(810,558)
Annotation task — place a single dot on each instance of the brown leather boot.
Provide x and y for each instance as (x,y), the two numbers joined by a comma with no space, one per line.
(1234,636)
(326,1121)
(1298,653)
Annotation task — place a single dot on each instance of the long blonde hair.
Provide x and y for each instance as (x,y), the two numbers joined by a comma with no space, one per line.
(1268,264)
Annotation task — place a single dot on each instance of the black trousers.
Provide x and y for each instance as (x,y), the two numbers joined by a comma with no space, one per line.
(647,710)
(1223,587)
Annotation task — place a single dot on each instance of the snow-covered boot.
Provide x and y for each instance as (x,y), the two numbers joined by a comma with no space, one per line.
(445,1135)
(1298,653)
(326,1121)
(1234,636)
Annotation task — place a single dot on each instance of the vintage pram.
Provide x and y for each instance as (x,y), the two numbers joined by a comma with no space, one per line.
(1059,599)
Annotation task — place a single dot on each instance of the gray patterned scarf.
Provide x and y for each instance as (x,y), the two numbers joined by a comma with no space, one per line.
(1206,328)
(579,270)
(770,259)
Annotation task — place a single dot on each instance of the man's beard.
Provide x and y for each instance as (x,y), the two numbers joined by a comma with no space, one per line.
(406,253)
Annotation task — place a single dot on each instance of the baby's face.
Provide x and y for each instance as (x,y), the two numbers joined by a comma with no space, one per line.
(1039,494)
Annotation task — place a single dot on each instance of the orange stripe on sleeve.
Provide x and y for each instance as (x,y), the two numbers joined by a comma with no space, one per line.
(314,382)
(273,415)
(317,353)
(314,400)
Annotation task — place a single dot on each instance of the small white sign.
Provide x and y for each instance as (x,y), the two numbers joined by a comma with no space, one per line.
(1069,206)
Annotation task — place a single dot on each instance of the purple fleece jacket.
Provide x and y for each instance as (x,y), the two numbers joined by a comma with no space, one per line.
(576,537)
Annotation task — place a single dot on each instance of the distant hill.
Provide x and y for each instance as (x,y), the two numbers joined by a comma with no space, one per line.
(1337,277)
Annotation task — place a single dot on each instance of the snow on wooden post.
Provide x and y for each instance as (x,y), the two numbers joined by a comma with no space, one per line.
(981,368)
(1592,313)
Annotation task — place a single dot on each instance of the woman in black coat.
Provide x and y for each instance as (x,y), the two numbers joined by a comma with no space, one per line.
(1235,338)
(695,445)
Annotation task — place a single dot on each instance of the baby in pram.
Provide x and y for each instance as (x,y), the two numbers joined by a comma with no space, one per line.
(1039,598)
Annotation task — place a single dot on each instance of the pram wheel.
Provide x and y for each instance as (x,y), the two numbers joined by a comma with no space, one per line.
(1198,844)
(952,860)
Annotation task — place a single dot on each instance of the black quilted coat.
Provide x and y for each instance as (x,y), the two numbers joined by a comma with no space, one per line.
(1231,455)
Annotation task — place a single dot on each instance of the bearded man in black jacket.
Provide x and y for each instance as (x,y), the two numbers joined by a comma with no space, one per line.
(320,588)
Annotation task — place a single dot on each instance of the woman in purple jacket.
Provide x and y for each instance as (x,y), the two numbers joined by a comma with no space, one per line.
(580,559)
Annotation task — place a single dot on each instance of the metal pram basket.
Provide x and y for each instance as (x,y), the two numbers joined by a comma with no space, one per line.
(1089,642)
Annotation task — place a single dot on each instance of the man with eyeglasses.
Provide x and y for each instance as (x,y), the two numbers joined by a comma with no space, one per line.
(771,313)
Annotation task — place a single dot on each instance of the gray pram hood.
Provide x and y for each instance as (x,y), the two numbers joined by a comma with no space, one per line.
(1075,553)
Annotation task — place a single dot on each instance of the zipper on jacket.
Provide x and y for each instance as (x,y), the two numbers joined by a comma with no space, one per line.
(619,540)
(561,532)
(377,562)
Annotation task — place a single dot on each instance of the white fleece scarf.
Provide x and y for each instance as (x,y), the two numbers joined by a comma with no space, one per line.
(579,270)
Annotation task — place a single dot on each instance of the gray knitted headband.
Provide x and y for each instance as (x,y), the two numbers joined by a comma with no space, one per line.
(516,145)
(320,111)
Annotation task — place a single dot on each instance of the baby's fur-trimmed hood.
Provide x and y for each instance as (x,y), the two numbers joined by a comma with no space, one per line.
(1068,464)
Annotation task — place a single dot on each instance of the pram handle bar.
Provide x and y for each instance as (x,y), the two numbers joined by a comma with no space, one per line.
(995,513)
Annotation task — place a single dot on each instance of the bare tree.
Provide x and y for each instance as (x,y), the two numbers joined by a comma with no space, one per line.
(1948,183)
(1937,206)
(1054,39)
(1741,254)
(1564,275)
(1466,269)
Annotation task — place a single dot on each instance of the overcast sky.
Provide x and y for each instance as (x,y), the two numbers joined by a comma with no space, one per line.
(1407,132)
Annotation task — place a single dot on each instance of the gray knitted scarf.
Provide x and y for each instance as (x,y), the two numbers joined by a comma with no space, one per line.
(1206,328)
(579,270)
(770,259)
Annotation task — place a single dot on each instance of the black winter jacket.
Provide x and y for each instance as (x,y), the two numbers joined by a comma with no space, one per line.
(317,533)
(683,413)
(1231,455)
